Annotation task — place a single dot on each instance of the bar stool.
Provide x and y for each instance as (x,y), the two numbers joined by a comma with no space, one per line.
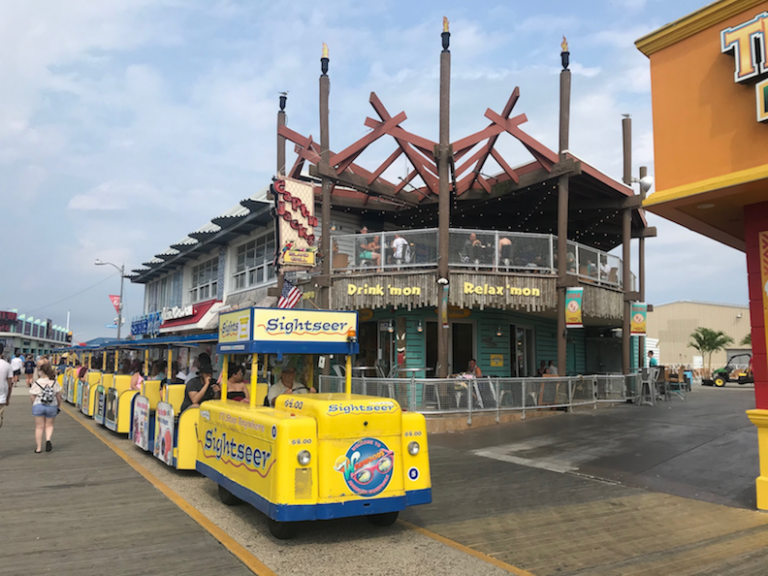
(648,378)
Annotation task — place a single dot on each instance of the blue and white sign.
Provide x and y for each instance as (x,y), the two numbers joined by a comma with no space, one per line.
(148,324)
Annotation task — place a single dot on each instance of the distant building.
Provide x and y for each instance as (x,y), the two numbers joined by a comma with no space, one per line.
(30,335)
(674,322)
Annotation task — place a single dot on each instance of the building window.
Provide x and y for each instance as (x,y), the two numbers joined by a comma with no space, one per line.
(205,282)
(254,263)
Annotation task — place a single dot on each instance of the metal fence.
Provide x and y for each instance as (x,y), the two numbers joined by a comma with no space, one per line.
(489,395)
(499,251)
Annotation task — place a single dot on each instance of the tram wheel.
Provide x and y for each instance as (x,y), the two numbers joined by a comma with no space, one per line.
(282,530)
(386,519)
(227,497)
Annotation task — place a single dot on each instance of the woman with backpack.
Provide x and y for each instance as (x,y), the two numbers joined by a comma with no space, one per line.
(45,394)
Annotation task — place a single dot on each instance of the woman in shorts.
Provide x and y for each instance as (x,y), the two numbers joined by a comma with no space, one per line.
(29,369)
(45,412)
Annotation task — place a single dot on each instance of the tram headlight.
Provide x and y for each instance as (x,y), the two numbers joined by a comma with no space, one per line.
(304,457)
(413,448)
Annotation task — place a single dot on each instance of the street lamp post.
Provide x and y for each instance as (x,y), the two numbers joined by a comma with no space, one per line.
(120,269)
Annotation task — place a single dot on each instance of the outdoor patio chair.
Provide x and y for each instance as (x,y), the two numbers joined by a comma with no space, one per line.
(648,379)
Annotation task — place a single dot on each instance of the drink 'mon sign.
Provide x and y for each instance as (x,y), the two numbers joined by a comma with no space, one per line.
(748,43)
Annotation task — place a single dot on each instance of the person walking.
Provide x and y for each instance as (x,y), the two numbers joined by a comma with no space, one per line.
(45,395)
(17,363)
(29,369)
(6,384)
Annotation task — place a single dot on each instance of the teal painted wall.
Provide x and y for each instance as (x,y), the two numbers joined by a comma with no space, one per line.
(486,323)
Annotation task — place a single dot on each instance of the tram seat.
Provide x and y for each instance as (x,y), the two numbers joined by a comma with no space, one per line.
(108,381)
(185,452)
(175,396)
(122,382)
(151,390)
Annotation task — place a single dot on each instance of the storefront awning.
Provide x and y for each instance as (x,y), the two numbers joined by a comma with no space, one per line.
(202,315)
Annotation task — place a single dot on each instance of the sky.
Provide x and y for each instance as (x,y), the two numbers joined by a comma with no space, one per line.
(125,125)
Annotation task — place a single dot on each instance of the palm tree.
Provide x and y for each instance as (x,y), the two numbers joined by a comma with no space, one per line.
(707,341)
(747,340)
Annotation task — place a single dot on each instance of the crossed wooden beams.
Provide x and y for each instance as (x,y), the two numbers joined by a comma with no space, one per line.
(421,152)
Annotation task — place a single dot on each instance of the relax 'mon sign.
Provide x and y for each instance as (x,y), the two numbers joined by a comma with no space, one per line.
(748,43)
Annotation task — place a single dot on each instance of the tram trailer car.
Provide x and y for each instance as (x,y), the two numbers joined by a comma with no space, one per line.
(316,457)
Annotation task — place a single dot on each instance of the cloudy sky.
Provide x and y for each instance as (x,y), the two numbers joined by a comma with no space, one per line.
(126,124)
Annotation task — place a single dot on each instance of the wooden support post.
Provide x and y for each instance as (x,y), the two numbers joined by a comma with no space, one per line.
(281,141)
(626,238)
(562,218)
(444,201)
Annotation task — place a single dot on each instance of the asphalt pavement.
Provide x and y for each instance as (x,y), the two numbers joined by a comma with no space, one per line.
(704,447)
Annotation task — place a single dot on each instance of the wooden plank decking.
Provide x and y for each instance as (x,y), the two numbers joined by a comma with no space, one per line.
(81,510)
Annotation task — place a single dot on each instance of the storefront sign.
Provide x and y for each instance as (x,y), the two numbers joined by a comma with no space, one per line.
(148,324)
(295,214)
(140,427)
(299,257)
(178,312)
(573,300)
(748,44)
(499,290)
(235,326)
(497,360)
(164,426)
(379,290)
(639,314)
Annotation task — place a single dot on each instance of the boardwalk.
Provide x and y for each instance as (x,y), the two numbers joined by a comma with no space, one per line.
(80,510)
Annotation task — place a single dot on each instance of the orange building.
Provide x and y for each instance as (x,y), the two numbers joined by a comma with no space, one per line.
(709,79)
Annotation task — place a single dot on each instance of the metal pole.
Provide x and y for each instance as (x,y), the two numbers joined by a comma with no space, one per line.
(224,376)
(254,380)
(562,215)
(444,198)
(626,238)
(348,375)
(641,279)
(120,306)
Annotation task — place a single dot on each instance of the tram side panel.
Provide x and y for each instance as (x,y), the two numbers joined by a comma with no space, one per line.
(254,454)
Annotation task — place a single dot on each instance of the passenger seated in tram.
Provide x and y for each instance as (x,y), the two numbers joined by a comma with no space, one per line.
(287,385)
(158,370)
(137,375)
(200,388)
(236,387)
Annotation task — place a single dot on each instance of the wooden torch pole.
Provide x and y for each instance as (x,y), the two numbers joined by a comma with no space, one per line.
(562,212)
(444,201)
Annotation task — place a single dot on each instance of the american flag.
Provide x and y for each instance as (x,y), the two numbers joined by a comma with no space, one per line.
(290,296)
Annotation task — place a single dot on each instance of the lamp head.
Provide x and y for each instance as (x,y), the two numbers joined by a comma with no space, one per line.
(646,182)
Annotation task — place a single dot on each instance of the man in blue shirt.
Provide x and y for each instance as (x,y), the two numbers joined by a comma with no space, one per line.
(651,360)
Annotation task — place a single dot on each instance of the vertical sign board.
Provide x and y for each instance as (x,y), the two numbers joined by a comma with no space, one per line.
(110,417)
(764,283)
(99,407)
(164,432)
(86,398)
(140,426)
(235,330)
(638,318)
(573,307)
(296,221)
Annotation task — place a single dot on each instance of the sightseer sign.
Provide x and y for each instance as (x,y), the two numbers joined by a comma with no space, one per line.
(748,44)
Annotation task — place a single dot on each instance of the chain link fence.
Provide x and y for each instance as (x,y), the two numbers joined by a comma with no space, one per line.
(472,395)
